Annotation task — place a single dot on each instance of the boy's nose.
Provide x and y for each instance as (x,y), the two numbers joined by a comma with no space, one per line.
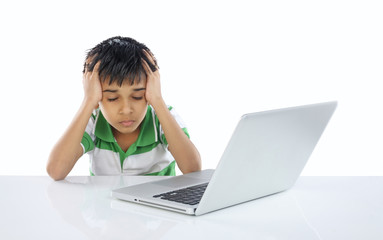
(126,108)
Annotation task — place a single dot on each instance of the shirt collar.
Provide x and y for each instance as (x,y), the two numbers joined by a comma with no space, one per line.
(103,130)
(148,132)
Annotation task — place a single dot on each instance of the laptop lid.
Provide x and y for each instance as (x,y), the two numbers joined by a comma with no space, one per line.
(266,154)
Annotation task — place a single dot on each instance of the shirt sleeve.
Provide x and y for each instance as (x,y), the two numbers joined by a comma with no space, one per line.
(88,138)
(180,122)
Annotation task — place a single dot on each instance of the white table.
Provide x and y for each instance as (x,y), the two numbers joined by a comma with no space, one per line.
(81,208)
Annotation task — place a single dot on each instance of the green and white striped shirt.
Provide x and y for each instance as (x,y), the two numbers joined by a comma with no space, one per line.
(149,155)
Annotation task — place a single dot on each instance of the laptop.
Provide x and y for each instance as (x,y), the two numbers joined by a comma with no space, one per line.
(265,155)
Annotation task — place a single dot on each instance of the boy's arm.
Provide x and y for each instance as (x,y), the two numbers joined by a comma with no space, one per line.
(183,150)
(68,149)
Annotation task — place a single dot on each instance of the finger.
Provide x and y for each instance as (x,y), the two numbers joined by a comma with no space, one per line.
(148,71)
(96,67)
(148,53)
(94,73)
(86,66)
(150,57)
(88,63)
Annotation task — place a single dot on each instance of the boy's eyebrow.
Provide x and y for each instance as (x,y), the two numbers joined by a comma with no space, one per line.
(110,90)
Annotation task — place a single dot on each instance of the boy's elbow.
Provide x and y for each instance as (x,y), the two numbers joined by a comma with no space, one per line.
(195,167)
(191,169)
(57,177)
(55,173)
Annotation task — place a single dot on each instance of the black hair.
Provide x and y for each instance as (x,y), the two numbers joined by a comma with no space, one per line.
(120,60)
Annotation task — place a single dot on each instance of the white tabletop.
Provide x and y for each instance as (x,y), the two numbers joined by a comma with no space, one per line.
(82,208)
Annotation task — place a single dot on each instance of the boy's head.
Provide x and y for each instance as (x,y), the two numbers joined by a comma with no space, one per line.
(120,60)
(123,81)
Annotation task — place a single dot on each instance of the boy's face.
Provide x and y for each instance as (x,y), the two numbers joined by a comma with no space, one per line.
(124,107)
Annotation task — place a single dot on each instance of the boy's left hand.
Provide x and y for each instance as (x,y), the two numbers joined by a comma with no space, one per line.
(153,85)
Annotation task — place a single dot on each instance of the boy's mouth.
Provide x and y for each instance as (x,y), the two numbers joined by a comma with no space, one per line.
(127,123)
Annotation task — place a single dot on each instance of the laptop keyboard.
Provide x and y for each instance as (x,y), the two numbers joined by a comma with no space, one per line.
(190,195)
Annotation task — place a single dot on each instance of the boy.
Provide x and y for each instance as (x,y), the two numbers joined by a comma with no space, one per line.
(132,131)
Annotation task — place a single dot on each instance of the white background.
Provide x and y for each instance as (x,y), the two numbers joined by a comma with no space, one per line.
(218,60)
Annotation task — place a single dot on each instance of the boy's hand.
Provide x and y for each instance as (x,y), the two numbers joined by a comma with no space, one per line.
(92,86)
(153,85)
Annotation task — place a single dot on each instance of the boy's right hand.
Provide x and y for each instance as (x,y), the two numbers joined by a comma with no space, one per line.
(92,86)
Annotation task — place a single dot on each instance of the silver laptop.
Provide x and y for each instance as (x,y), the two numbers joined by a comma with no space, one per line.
(265,155)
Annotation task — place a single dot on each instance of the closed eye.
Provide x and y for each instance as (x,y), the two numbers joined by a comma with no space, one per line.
(112,99)
(138,98)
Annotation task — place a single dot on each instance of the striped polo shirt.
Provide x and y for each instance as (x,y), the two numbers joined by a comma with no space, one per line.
(149,155)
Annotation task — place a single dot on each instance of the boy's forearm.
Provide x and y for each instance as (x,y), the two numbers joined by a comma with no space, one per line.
(183,150)
(68,150)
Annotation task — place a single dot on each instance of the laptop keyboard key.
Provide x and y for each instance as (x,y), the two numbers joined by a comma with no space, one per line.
(190,195)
